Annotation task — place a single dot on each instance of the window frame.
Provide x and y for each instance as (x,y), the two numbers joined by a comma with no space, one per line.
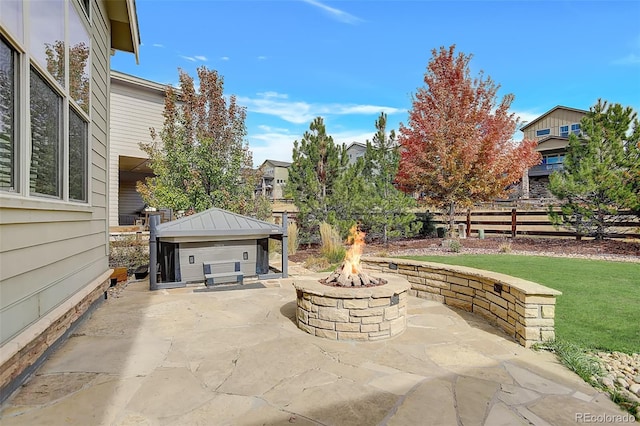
(564,133)
(576,129)
(15,125)
(543,132)
(25,61)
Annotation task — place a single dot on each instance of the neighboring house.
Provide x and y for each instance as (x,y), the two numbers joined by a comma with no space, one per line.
(136,106)
(274,176)
(551,130)
(356,150)
(54,146)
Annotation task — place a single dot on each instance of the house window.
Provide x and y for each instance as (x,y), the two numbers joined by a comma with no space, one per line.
(50,159)
(78,144)
(47,37)
(575,128)
(46,138)
(8,136)
(11,17)
(564,131)
(543,132)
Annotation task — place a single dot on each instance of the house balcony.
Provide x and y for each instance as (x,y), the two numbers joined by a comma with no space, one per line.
(545,169)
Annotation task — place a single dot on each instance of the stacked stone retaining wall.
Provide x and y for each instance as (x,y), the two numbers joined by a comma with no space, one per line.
(523,309)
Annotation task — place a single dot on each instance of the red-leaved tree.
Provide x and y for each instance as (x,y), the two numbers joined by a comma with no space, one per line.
(457,148)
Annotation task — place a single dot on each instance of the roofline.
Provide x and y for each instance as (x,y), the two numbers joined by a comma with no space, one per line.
(215,233)
(276,161)
(531,123)
(123,17)
(363,145)
(135,30)
(138,82)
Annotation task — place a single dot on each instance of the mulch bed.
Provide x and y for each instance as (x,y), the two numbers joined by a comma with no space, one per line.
(546,246)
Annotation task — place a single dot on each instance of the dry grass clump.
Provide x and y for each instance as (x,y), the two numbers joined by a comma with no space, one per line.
(331,248)
(293,242)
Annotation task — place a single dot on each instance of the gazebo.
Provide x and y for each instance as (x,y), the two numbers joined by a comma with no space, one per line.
(212,247)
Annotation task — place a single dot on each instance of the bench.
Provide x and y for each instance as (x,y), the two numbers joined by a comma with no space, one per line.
(221,271)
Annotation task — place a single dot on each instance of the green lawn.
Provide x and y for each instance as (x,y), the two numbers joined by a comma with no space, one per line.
(600,303)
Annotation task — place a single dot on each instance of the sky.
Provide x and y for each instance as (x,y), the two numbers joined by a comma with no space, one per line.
(289,61)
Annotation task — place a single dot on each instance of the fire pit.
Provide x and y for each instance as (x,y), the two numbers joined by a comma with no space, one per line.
(350,304)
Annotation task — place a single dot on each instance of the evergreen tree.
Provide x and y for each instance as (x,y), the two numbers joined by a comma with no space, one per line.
(200,158)
(317,164)
(385,208)
(601,172)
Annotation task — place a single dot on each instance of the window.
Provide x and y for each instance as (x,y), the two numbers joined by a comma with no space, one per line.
(78,144)
(575,128)
(47,37)
(11,17)
(50,158)
(8,136)
(564,131)
(543,132)
(46,138)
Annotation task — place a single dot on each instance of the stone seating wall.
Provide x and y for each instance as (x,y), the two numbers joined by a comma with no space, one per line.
(523,309)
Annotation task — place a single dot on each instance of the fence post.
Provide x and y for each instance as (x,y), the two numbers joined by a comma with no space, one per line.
(514,221)
(468,223)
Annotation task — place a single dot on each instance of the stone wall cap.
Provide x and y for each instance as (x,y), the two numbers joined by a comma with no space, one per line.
(310,284)
(529,288)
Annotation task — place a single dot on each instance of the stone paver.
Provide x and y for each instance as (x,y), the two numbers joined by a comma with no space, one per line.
(175,357)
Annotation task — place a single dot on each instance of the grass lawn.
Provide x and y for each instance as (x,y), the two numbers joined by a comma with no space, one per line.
(600,303)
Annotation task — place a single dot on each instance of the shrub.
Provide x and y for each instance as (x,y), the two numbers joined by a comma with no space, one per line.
(331,248)
(292,242)
(455,246)
(505,247)
(128,251)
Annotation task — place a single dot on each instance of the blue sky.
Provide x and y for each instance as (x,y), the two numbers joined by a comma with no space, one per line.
(289,61)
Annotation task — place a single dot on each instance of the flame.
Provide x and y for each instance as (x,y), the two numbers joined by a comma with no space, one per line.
(352,257)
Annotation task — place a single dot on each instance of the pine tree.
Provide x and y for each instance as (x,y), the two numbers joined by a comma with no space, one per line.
(600,173)
(317,164)
(386,209)
(200,157)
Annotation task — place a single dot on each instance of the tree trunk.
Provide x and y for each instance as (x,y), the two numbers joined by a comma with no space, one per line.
(385,239)
(452,213)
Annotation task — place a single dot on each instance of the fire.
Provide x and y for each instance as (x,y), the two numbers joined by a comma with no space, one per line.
(352,257)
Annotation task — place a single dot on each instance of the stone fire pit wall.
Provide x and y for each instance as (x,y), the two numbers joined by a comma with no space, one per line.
(353,313)
(523,309)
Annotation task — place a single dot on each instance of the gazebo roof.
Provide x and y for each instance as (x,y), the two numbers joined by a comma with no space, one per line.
(217,223)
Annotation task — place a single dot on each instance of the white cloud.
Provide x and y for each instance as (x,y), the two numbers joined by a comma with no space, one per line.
(337,14)
(188,58)
(298,112)
(630,59)
(277,143)
(201,58)
(262,58)
(224,58)
(273,144)
(157,45)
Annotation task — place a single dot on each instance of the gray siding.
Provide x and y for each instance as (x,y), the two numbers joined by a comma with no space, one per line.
(216,251)
(134,110)
(51,250)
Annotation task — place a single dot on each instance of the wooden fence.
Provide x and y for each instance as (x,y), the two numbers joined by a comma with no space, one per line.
(513,222)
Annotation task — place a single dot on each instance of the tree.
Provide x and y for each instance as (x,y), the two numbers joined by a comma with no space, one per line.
(200,157)
(386,209)
(457,148)
(317,163)
(600,173)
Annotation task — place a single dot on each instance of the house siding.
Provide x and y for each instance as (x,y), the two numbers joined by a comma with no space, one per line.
(134,110)
(54,252)
(553,121)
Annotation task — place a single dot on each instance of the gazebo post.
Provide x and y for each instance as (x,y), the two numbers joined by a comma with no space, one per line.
(153,252)
(285,246)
